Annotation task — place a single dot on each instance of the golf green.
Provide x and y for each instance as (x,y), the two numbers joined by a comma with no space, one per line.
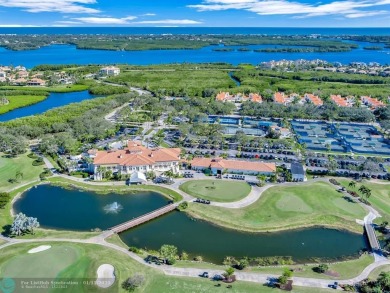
(217,190)
(44,264)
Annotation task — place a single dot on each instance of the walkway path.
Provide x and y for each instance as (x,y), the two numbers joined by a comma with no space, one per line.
(195,272)
(109,116)
(251,198)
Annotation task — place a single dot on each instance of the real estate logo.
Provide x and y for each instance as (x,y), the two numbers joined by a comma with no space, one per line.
(7,285)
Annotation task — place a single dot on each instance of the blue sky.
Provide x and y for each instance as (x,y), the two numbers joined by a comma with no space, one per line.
(206,13)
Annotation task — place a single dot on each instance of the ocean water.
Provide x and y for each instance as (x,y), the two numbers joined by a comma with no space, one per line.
(68,54)
(197,30)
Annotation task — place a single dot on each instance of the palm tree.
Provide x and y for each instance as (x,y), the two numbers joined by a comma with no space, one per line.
(368,194)
(352,184)
(262,178)
(362,189)
(101,170)
(365,191)
(228,273)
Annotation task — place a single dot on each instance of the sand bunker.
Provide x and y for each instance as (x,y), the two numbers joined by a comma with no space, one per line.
(39,249)
(105,276)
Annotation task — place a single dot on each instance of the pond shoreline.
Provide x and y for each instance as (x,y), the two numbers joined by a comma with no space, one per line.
(274,230)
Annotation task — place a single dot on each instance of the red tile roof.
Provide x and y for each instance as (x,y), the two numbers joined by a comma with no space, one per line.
(137,155)
(340,101)
(372,102)
(234,165)
(279,98)
(314,99)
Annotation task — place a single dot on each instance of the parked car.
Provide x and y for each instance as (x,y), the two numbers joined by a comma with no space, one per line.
(204,275)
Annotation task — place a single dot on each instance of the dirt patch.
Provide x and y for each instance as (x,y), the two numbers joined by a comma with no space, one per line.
(287,286)
(332,274)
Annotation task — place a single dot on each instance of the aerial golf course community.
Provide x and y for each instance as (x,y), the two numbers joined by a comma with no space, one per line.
(193,159)
(78,255)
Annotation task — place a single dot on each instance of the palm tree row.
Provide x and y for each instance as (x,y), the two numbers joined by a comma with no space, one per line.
(365,191)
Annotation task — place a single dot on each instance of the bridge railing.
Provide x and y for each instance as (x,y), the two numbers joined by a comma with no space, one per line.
(142,219)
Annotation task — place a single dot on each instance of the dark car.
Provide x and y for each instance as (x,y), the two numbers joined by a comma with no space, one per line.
(204,275)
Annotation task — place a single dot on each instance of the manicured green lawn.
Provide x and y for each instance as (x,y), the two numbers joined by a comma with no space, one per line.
(217,190)
(19,102)
(345,269)
(48,263)
(115,239)
(380,196)
(163,284)
(375,273)
(288,207)
(118,188)
(9,167)
(53,89)
(77,261)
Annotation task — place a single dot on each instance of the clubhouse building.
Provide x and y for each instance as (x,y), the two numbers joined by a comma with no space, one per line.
(134,158)
(219,165)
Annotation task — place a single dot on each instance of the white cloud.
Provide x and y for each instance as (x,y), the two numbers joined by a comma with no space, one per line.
(105,20)
(347,8)
(65,22)
(169,22)
(366,14)
(149,14)
(19,25)
(62,6)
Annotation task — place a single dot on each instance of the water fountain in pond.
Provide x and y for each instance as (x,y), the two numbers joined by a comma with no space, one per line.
(113,208)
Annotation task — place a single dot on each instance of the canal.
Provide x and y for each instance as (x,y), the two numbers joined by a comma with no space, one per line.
(54,100)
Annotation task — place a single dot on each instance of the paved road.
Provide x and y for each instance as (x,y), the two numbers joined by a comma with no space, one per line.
(195,272)
(252,197)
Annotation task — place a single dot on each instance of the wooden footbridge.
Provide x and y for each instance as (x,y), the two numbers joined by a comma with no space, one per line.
(372,239)
(143,219)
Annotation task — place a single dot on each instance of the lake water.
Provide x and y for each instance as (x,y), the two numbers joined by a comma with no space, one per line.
(54,100)
(73,209)
(196,30)
(68,54)
(213,243)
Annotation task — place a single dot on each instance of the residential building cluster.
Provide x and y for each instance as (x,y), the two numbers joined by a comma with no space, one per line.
(238,98)
(286,99)
(372,103)
(20,76)
(371,68)
(109,71)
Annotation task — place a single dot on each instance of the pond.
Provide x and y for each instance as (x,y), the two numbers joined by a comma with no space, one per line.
(78,210)
(53,100)
(213,243)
